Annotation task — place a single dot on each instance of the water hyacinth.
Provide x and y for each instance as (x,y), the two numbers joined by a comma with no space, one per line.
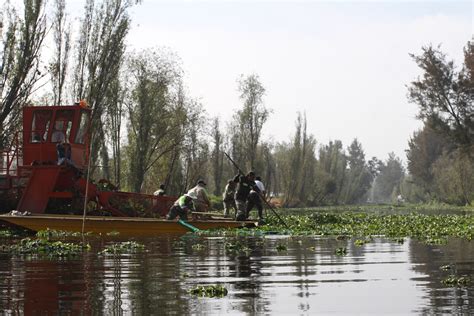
(42,246)
(123,247)
(209,291)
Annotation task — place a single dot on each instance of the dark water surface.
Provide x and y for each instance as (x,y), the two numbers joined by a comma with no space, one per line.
(307,278)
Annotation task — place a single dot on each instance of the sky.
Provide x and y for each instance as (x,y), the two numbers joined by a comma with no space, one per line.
(345,64)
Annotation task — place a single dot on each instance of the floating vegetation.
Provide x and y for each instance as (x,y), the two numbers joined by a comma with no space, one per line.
(429,228)
(341,251)
(6,233)
(113,233)
(435,241)
(281,247)
(456,281)
(198,247)
(236,247)
(361,242)
(209,291)
(446,267)
(56,234)
(123,247)
(50,248)
(399,240)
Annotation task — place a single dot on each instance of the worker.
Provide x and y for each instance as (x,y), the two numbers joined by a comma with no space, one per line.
(202,202)
(228,198)
(181,208)
(255,199)
(160,191)
(244,185)
(58,135)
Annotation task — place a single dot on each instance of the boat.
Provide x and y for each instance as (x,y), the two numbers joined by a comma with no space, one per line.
(124,226)
(42,174)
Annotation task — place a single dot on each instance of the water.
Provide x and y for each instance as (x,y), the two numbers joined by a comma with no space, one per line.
(305,279)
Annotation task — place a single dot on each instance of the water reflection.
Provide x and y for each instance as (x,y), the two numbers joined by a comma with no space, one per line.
(306,278)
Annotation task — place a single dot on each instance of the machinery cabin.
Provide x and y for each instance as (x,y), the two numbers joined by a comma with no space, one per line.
(41,171)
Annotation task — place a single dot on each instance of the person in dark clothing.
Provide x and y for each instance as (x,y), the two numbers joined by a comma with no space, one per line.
(244,185)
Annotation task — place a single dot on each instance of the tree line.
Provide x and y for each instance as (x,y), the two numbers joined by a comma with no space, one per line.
(148,130)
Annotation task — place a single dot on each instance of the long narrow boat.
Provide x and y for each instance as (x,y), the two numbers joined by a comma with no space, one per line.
(125,226)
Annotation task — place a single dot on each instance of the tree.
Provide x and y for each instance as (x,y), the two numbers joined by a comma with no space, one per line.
(155,120)
(330,173)
(252,117)
(62,40)
(217,155)
(359,178)
(425,147)
(445,96)
(101,48)
(19,62)
(387,183)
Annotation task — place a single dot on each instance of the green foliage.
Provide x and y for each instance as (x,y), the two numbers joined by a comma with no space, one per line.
(123,247)
(281,247)
(387,183)
(341,251)
(237,247)
(456,281)
(55,234)
(42,246)
(444,95)
(209,290)
(428,228)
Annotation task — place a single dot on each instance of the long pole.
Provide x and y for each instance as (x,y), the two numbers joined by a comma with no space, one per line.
(87,187)
(261,197)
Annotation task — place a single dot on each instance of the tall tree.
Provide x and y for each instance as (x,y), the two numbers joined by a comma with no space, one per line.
(387,183)
(60,61)
(155,121)
(19,62)
(359,177)
(101,48)
(252,116)
(217,155)
(445,96)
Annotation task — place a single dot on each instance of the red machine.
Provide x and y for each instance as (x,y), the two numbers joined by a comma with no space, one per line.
(42,169)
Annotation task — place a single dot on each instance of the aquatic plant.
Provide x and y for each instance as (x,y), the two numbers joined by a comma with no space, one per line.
(50,248)
(431,228)
(113,233)
(51,234)
(456,281)
(341,251)
(6,233)
(236,247)
(281,247)
(361,242)
(123,247)
(209,290)
(197,247)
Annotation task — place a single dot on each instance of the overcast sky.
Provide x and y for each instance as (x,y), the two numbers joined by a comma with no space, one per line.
(346,64)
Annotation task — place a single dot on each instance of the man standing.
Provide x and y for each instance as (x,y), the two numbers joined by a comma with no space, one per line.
(245,184)
(228,197)
(255,199)
(202,202)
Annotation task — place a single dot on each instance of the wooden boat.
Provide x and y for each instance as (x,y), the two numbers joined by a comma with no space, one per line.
(125,226)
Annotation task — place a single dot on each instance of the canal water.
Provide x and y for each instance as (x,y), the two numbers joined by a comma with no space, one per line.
(276,275)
